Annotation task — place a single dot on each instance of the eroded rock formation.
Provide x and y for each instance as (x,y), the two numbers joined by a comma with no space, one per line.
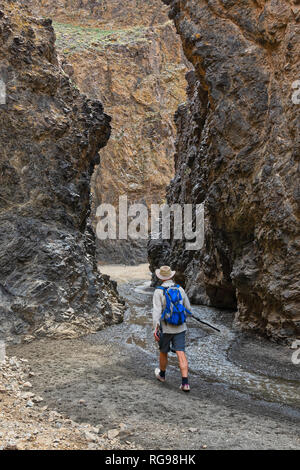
(50,136)
(238,151)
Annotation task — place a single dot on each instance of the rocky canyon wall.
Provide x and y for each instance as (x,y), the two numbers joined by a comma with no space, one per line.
(50,136)
(107,13)
(126,54)
(237,151)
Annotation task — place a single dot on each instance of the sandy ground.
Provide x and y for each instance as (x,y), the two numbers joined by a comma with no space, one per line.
(122,273)
(107,380)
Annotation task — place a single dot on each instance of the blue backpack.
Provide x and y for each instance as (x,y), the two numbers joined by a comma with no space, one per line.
(175,312)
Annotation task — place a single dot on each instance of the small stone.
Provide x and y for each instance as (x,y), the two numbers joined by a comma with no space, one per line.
(90,437)
(27,385)
(95,430)
(29,404)
(112,433)
(37,399)
(193,429)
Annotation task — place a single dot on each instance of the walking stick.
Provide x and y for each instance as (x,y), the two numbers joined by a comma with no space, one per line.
(205,323)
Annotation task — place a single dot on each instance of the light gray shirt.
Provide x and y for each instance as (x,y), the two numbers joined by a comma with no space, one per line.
(159,304)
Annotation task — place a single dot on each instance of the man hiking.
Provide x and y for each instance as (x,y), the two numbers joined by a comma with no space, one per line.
(170,309)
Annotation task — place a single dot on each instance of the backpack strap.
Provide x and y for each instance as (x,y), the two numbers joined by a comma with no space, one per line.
(166,288)
(186,310)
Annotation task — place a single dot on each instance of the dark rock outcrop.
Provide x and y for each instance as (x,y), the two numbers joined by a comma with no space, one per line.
(50,136)
(238,149)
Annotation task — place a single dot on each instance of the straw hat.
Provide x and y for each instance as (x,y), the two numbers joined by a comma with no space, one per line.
(164,273)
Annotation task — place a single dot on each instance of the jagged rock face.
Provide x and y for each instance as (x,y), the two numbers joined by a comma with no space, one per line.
(50,136)
(238,152)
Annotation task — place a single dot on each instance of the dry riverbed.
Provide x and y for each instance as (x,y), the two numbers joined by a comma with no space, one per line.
(245,393)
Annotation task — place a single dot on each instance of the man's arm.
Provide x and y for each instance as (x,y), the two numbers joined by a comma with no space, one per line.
(157,308)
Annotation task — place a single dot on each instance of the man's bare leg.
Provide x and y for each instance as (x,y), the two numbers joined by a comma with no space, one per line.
(184,369)
(161,371)
(163,361)
(183,363)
